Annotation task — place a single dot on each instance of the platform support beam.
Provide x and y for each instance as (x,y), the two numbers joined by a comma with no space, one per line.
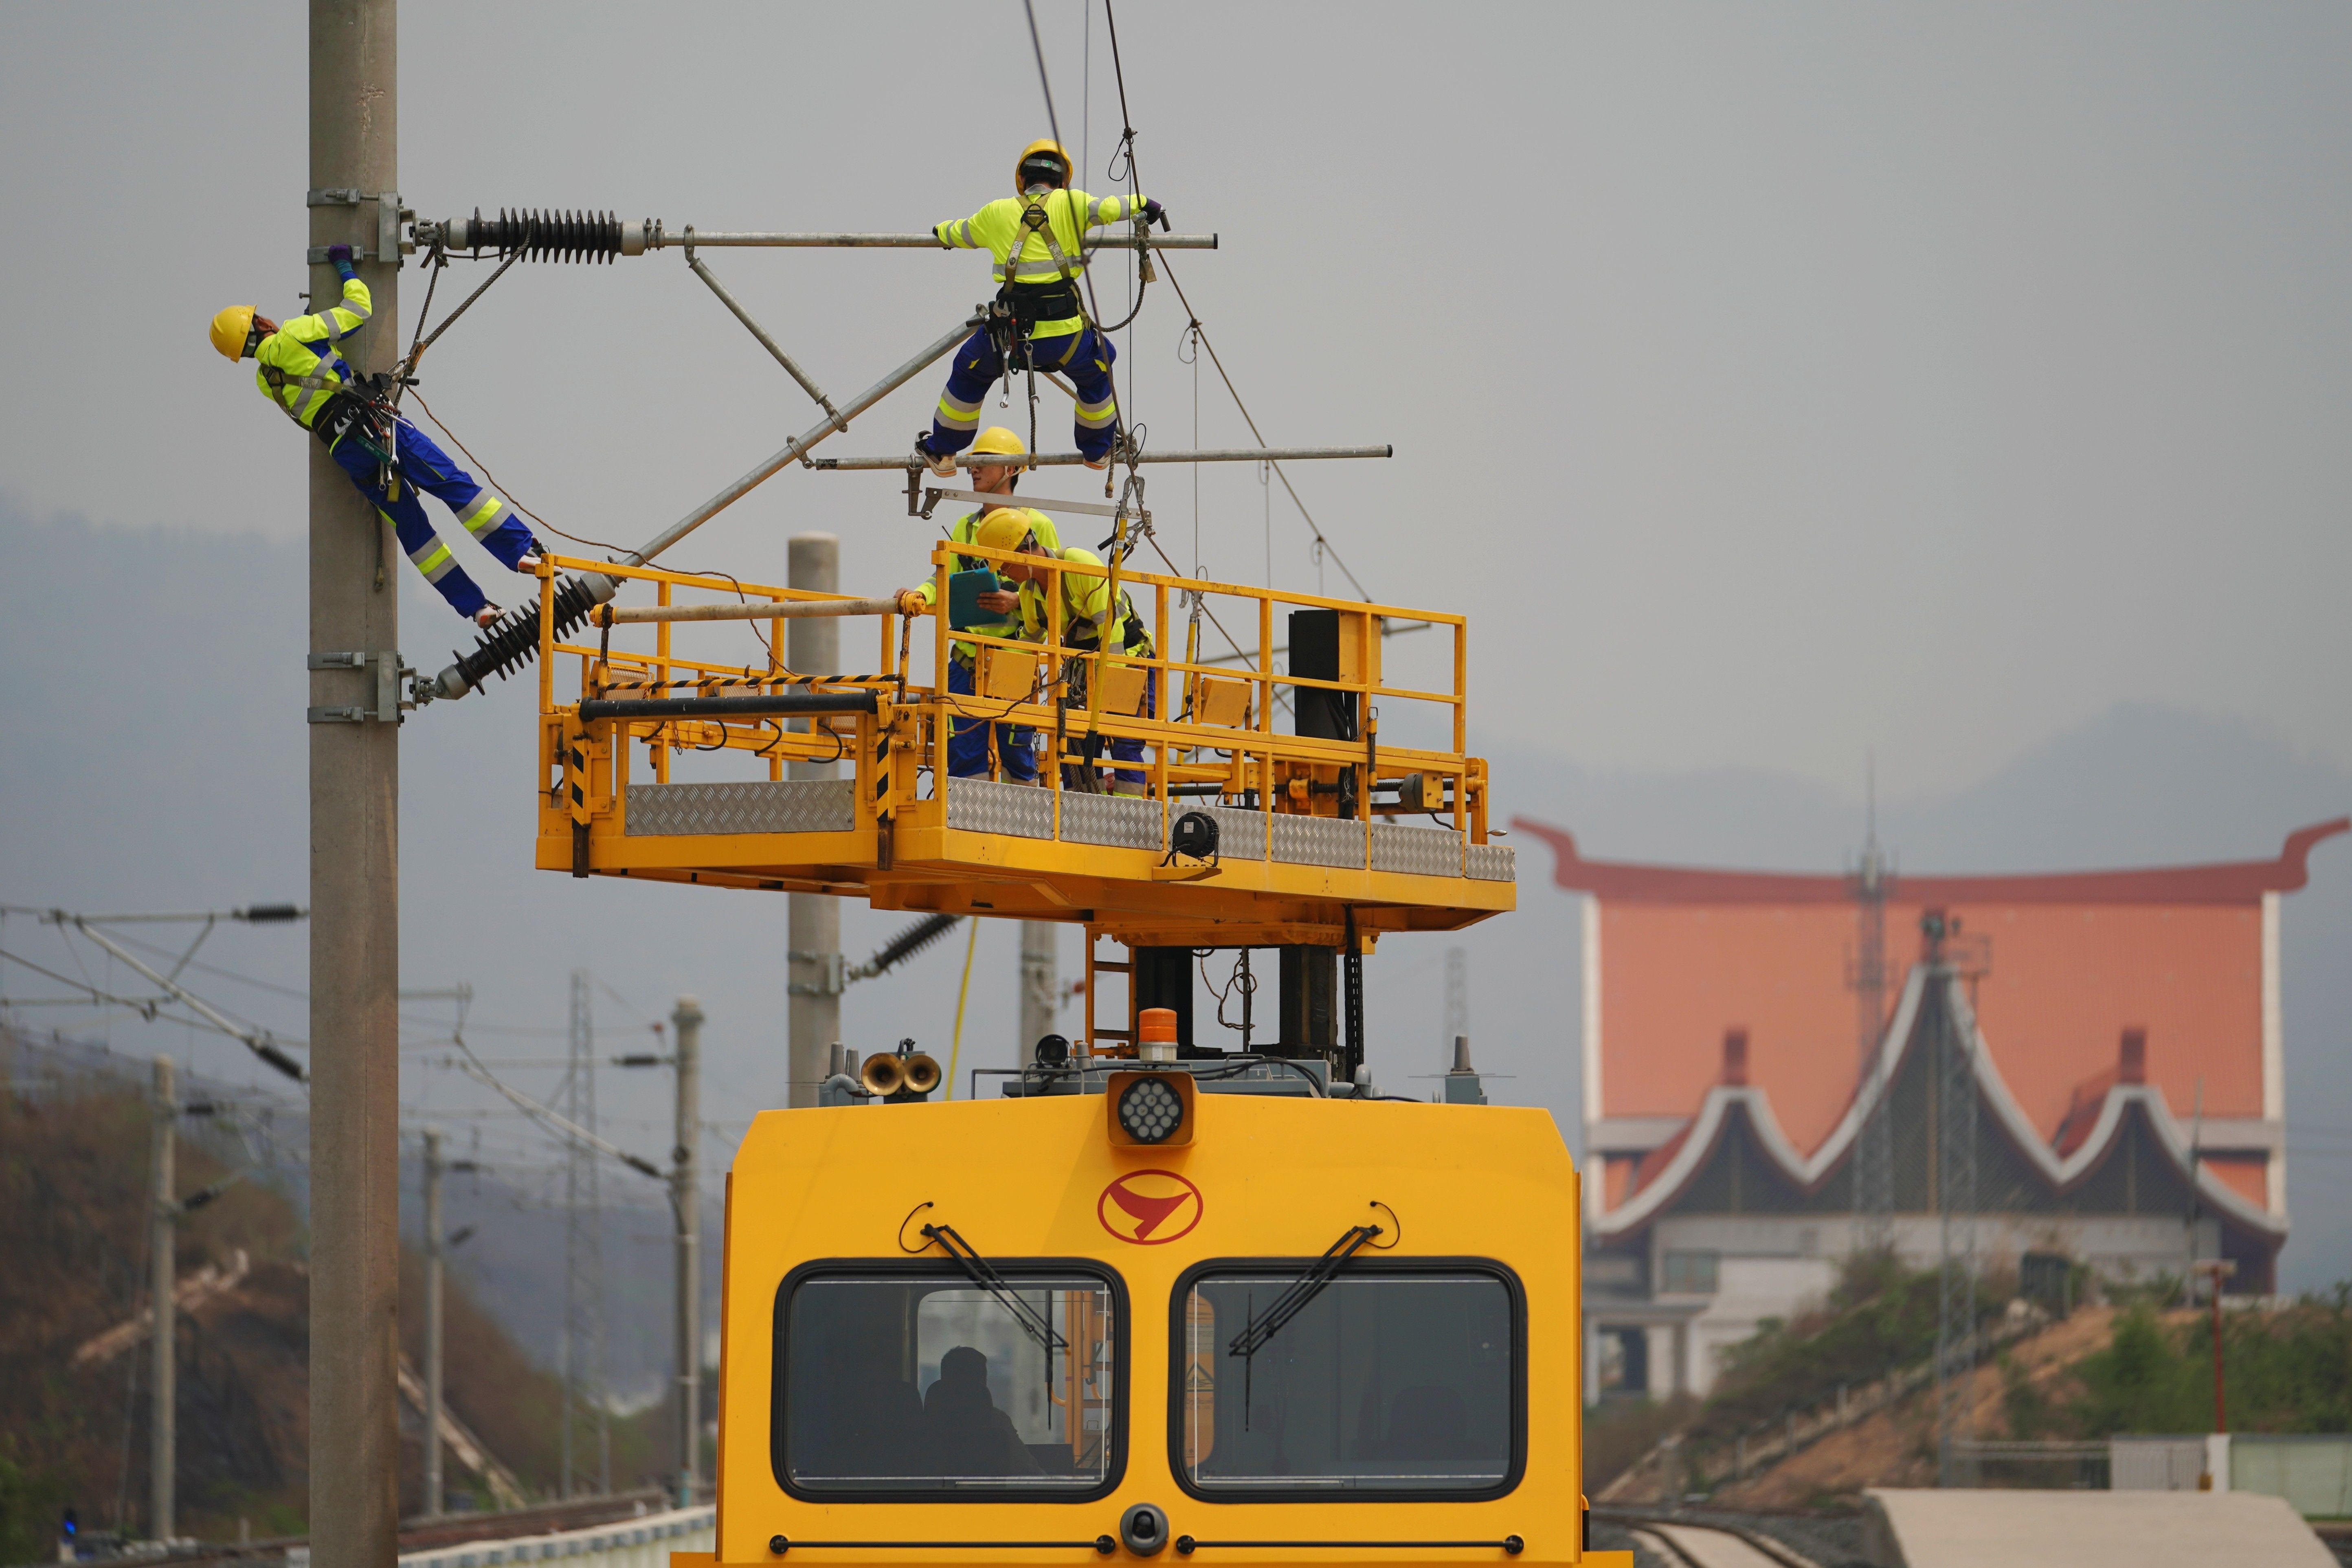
(1310,991)
(354,850)
(813,647)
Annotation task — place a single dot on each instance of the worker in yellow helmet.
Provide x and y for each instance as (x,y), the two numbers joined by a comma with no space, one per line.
(1083,612)
(1037,236)
(303,371)
(968,742)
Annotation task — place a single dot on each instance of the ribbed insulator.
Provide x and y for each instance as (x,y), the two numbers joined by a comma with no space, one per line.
(547,235)
(512,639)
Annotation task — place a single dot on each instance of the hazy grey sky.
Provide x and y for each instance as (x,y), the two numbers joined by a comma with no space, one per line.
(1772,383)
(1777,383)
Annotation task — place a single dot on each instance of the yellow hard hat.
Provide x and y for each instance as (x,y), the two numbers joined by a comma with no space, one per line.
(230,329)
(996,439)
(1044,144)
(1003,529)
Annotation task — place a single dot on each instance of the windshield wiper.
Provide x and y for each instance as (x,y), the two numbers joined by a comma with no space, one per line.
(1033,1323)
(1303,1290)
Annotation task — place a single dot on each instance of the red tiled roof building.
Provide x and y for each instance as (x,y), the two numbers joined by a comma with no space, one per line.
(2123,1028)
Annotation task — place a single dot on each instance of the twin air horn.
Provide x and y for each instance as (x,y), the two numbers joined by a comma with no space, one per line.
(903,1072)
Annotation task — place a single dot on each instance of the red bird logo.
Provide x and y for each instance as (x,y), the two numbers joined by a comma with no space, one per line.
(1152,1207)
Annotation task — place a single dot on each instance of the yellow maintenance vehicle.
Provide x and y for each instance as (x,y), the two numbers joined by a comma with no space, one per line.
(1156,1300)
(1152,1310)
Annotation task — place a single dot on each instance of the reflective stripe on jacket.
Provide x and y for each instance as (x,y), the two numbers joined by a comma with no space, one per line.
(300,367)
(997,228)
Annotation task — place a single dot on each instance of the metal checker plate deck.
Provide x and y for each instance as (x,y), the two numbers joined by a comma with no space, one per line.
(1240,834)
(1491,863)
(1116,821)
(1417,851)
(1318,841)
(766,805)
(1015,811)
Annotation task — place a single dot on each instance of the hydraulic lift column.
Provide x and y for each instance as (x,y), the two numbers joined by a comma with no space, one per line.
(1310,991)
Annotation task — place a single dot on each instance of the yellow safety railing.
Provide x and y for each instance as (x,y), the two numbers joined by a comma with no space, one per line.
(1218,745)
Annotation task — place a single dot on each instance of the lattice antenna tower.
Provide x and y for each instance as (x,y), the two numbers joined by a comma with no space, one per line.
(1874,1156)
(587,1424)
(1955,1205)
(1457,1004)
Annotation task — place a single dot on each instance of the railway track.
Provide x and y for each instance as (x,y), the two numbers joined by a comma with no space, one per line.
(1687,1543)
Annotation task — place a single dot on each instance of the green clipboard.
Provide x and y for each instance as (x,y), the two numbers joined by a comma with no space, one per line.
(964,589)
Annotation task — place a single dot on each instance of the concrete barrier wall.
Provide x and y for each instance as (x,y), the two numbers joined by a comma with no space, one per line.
(2313,1474)
(644,1541)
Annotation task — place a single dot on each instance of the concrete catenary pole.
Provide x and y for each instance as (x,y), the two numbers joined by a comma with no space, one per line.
(163,1239)
(354,848)
(813,647)
(432,1344)
(685,1197)
(1040,945)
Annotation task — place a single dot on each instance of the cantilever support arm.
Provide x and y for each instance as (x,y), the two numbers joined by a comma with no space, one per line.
(694,264)
(515,638)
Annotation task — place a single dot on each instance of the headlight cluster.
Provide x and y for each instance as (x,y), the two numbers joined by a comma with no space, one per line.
(1150,1110)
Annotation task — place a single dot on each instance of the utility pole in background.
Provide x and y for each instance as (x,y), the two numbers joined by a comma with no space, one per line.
(685,1199)
(354,833)
(1456,1028)
(587,1413)
(163,1241)
(1040,976)
(433,1489)
(813,948)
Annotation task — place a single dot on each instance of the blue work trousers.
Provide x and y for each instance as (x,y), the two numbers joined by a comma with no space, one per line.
(1125,748)
(1084,356)
(968,739)
(421,465)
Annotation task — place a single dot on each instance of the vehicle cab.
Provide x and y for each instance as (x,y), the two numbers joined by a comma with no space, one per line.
(1195,1309)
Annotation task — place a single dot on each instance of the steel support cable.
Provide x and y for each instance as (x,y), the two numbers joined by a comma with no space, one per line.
(547,1117)
(260,1042)
(1127,147)
(1320,537)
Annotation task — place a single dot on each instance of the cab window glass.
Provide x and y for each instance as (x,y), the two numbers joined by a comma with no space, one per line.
(1389,1383)
(933,1386)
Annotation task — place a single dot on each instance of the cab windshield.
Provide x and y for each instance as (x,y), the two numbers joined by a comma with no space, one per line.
(1393,1382)
(899,1386)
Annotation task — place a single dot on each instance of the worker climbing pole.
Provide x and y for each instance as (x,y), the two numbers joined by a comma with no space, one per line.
(301,369)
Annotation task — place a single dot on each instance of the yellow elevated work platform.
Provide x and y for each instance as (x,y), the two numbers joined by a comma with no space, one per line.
(673,765)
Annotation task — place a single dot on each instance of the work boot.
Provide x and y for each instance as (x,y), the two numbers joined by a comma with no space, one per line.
(942,467)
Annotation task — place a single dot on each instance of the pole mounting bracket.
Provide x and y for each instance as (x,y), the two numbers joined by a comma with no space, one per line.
(390,700)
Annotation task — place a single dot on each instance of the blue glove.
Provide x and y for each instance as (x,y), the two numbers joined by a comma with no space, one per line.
(339,257)
(1154,213)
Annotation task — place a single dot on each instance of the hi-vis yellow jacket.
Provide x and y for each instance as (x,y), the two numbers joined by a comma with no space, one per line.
(300,368)
(997,228)
(962,533)
(1085,601)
